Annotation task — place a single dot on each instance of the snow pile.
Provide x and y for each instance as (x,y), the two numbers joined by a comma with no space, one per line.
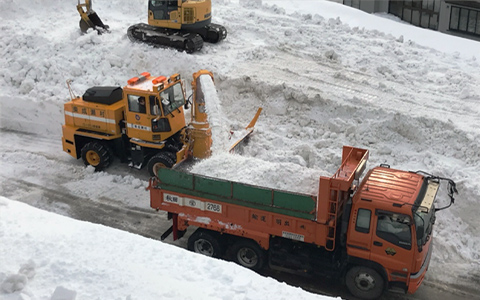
(47,256)
(250,170)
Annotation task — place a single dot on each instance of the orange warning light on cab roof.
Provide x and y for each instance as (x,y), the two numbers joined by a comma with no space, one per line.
(159,79)
(140,78)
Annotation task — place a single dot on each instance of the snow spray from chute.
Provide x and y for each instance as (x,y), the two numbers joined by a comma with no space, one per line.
(224,140)
(216,118)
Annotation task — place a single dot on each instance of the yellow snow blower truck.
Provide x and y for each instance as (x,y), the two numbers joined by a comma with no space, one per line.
(142,123)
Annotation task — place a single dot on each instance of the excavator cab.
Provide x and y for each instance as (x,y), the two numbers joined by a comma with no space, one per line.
(89,18)
(160,10)
(179,14)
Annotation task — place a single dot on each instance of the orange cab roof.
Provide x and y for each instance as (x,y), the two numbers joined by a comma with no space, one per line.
(391,186)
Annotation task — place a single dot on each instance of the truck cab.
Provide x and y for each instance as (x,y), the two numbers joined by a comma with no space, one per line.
(390,228)
(154,108)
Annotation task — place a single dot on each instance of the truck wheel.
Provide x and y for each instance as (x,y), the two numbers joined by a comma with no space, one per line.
(206,243)
(247,253)
(96,155)
(159,161)
(364,283)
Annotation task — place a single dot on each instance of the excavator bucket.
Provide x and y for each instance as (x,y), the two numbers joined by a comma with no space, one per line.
(89,18)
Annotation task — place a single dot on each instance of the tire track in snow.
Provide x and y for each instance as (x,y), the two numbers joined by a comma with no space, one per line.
(343,84)
(107,212)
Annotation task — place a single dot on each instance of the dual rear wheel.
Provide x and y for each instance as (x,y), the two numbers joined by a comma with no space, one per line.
(362,282)
(245,252)
(206,242)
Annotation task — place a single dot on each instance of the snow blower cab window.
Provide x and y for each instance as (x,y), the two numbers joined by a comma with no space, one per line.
(172,98)
(137,104)
(395,228)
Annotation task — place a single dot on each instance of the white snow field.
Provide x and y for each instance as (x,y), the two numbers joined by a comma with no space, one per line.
(326,75)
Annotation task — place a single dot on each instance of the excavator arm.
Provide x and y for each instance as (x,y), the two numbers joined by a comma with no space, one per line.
(89,18)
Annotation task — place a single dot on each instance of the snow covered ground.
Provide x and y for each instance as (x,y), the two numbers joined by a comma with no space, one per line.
(326,75)
(49,256)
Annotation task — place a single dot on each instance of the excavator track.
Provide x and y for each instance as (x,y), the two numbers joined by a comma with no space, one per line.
(189,42)
(212,33)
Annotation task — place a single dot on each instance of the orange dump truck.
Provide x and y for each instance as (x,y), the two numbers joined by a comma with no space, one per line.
(375,234)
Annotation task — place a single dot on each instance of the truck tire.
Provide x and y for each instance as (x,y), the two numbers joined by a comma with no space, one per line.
(364,282)
(160,160)
(96,155)
(205,242)
(247,253)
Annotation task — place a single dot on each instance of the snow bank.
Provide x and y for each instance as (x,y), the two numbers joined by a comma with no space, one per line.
(47,256)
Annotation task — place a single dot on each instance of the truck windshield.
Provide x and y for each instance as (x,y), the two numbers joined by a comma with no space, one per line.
(424,218)
(424,213)
(395,228)
(172,98)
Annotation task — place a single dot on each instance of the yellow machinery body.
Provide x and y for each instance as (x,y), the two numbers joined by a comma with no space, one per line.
(142,119)
(94,120)
(141,123)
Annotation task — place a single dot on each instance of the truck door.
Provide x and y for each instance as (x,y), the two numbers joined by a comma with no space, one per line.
(392,244)
(137,117)
(359,234)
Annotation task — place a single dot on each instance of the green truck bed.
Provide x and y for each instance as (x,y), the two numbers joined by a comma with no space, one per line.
(271,200)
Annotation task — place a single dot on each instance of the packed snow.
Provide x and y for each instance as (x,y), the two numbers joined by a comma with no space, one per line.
(48,256)
(326,75)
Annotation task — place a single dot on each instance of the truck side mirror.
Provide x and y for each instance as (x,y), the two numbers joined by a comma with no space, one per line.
(420,231)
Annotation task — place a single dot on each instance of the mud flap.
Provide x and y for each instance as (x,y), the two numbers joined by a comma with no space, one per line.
(177,234)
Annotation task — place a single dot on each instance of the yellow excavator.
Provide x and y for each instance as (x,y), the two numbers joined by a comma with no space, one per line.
(142,123)
(179,24)
(89,18)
